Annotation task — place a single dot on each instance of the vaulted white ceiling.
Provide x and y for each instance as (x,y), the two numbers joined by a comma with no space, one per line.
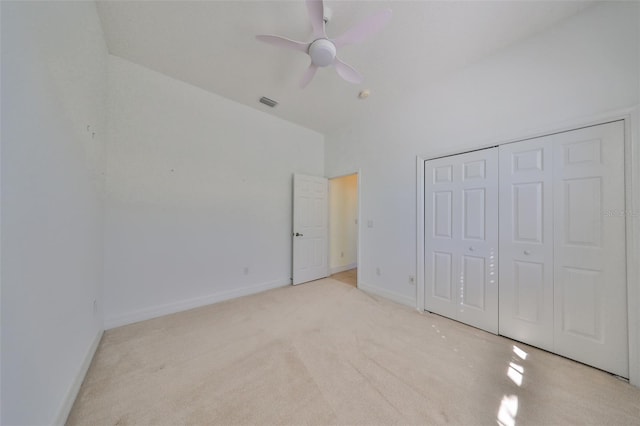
(212,45)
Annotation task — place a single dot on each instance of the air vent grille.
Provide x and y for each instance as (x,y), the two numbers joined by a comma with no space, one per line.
(268,102)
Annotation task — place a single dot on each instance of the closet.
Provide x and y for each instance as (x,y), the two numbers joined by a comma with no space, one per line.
(536,242)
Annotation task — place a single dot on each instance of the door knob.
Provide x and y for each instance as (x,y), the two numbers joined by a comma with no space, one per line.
(527,252)
(471,248)
(297,234)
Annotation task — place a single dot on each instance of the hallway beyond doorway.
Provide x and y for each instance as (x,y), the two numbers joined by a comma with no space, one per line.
(348,277)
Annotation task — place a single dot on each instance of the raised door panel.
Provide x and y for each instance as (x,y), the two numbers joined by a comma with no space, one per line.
(442,214)
(582,303)
(474,170)
(443,174)
(443,276)
(528,291)
(473,214)
(583,212)
(527,209)
(526,242)
(473,282)
(589,245)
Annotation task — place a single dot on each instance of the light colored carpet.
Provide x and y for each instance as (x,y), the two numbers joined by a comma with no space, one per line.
(328,353)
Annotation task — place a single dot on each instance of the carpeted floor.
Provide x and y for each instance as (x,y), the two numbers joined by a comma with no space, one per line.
(328,353)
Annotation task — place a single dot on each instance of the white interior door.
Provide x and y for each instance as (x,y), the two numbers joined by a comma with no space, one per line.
(589,245)
(310,228)
(526,241)
(461,238)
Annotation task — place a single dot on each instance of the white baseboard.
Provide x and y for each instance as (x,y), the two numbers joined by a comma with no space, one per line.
(183,305)
(342,268)
(72,393)
(398,298)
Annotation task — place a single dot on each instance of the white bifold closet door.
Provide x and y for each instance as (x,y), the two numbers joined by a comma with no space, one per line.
(562,245)
(590,289)
(526,241)
(461,244)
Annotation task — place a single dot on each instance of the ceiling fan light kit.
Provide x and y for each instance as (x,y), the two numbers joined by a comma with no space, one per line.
(322,50)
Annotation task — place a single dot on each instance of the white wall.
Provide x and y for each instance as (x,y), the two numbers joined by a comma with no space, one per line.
(199,188)
(585,66)
(54,63)
(343,228)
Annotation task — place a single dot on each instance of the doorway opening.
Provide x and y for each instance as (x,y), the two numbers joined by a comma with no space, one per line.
(343,229)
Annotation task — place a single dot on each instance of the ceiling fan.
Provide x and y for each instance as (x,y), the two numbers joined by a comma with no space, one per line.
(322,50)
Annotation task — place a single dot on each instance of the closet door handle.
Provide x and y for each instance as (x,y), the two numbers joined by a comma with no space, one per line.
(471,248)
(527,252)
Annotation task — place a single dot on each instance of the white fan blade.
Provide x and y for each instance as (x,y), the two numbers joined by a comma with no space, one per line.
(306,78)
(347,72)
(284,42)
(364,29)
(316,15)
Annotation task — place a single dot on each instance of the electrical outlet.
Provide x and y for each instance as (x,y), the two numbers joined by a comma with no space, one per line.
(341,254)
(370,223)
(246,270)
(95,307)
(378,273)
(412,280)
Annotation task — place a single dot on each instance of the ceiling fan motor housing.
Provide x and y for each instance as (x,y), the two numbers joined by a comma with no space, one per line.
(322,52)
